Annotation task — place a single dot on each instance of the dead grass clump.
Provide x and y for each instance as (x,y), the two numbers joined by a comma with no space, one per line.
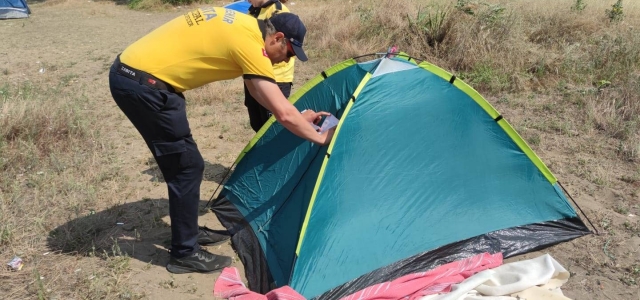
(55,167)
(524,50)
(496,47)
(485,49)
(474,46)
(620,110)
(431,27)
(342,30)
(615,55)
(559,30)
(615,110)
(47,126)
(505,48)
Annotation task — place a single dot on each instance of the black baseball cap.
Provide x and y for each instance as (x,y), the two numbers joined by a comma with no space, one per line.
(293,29)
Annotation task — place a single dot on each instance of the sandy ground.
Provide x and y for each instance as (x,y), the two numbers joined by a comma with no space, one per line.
(83,37)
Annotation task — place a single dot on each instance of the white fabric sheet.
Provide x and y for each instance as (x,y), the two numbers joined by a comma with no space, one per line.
(537,278)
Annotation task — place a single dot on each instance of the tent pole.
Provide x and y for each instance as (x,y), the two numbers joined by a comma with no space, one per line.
(578,206)
(219,185)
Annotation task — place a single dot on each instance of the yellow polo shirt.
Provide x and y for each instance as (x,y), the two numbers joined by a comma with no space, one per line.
(283,70)
(202,46)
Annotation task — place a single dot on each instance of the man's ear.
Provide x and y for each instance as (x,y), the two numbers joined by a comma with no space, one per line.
(275,39)
(279,36)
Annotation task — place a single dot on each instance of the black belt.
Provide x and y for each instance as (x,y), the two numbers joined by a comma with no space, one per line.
(142,77)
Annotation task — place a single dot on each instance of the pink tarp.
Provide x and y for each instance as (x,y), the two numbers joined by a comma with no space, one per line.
(230,286)
(412,286)
(438,280)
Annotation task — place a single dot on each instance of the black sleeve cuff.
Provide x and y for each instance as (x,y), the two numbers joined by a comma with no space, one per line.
(252,76)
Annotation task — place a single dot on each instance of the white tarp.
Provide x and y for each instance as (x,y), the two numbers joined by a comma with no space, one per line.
(538,278)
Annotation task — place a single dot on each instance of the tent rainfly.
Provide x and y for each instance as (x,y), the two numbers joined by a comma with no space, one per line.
(421,171)
(14,9)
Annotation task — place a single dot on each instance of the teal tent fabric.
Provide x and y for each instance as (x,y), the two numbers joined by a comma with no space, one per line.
(417,164)
(445,184)
(270,178)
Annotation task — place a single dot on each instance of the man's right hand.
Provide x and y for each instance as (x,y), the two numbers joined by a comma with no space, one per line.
(314,117)
(269,95)
(327,136)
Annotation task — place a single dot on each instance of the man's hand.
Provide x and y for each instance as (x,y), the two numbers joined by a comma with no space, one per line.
(269,95)
(327,136)
(314,117)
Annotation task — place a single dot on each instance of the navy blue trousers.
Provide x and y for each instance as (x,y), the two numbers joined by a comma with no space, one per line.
(258,115)
(160,117)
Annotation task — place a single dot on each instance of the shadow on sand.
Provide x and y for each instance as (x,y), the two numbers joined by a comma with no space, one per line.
(135,229)
(212,172)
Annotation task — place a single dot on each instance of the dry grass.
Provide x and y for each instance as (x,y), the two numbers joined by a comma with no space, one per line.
(567,80)
(506,48)
(55,167)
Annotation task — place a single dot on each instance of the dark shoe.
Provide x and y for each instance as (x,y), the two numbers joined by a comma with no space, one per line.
(210,237)
(201,261)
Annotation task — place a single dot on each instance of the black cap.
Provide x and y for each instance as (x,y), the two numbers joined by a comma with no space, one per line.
(293,29)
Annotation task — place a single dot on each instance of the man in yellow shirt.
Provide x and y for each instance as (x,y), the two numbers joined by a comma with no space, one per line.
(258,115)
(199,47)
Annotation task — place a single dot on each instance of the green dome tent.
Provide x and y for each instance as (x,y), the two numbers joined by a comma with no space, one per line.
(421,171)
(14,9)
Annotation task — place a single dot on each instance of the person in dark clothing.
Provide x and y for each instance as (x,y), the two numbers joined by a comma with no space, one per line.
(147,81)
(258,115)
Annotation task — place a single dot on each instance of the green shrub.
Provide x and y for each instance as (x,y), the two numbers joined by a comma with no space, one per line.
(431,26)
(579,6)
(615,14)
(465,6)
